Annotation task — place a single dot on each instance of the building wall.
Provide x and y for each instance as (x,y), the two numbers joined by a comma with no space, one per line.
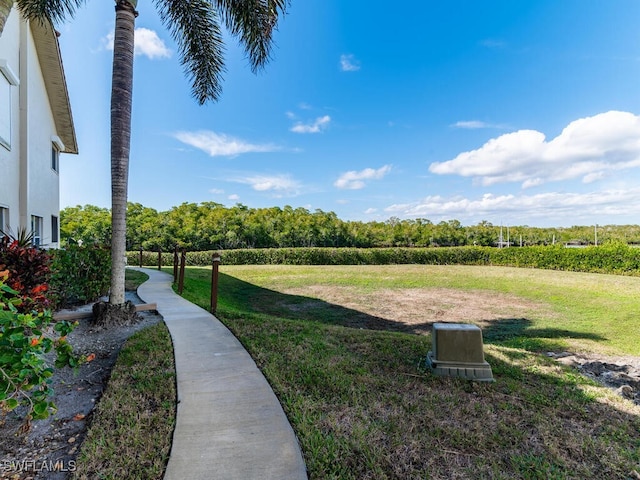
(10,156)
(43,190)
(28,184)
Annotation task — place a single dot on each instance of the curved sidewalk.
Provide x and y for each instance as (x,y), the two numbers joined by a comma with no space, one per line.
(229,424)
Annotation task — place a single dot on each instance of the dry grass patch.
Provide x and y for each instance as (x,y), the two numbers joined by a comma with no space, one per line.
(416,309)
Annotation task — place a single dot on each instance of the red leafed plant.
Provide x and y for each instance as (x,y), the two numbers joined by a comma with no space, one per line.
(29,273)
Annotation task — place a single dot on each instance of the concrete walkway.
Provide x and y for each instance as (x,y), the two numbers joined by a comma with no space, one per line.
(229,422)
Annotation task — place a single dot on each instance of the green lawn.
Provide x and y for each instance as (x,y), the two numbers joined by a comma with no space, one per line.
(589,312)
(364,406)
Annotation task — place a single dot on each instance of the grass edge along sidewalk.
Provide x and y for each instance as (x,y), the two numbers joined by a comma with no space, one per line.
(363,405)
(131,430)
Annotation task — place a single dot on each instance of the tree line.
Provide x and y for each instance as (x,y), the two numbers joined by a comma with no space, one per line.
(212,226)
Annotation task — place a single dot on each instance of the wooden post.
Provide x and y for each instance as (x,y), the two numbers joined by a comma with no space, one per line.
(159,258)
(140,257)
(183,260)
(214,282)
(175,264)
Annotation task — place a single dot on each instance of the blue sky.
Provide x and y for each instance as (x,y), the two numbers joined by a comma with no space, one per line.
(521,113)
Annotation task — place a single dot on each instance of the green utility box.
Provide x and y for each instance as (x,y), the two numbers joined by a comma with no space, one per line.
(457,351)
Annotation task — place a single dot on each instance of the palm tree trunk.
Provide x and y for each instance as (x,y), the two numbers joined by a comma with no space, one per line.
(121,93)
(5,8)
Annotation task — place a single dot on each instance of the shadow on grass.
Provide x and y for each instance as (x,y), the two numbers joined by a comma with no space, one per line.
(517,332)
(240,295)
(520,333)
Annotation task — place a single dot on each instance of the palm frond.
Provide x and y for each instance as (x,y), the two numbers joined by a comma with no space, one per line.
(54,11)
(195,27)
(254,22)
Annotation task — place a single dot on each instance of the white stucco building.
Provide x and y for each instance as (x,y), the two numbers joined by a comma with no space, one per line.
(36,125)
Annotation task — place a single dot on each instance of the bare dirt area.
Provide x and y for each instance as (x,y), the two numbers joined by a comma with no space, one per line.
(49,449)
(415,310)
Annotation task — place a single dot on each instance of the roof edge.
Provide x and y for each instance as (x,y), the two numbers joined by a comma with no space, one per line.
(46,42)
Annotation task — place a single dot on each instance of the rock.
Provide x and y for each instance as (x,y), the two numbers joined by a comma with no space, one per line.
(626,391)
(623,376)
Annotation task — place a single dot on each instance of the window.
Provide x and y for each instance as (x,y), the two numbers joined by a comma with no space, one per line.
(56,147)
(54,229)
(36,230)
(7,80)
(55,156)
(4,221)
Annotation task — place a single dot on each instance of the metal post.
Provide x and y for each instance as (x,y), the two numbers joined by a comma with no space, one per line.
(183,260)
(214,283)
(159,258)
(140,257)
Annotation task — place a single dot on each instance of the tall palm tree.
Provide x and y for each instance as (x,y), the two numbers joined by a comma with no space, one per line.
(195,25)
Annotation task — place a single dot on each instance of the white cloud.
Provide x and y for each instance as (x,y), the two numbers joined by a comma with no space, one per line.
(475,124)
(471,124)
(219,144)
(348,63)
(216,191)
(281,184)
(356,180)
(587,148)
(147,42)
(317,126)
(526,209)
(234,197)
(369,211)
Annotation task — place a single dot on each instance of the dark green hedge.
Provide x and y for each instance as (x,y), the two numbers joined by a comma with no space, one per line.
(79,274)
(619,259)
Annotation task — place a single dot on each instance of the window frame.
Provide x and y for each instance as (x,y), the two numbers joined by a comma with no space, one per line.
(55,229)
(56,148)
(4,221)
(8,79)
(55,158)
(36,229)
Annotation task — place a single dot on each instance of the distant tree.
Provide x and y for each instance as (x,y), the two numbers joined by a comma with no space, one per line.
(85,224)
(143,227)
(483,234)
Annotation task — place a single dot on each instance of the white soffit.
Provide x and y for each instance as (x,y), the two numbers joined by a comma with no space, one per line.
(8,73)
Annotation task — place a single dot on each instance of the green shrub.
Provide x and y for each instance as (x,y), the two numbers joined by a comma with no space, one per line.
(609,258)
(149,259)
(80,274)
